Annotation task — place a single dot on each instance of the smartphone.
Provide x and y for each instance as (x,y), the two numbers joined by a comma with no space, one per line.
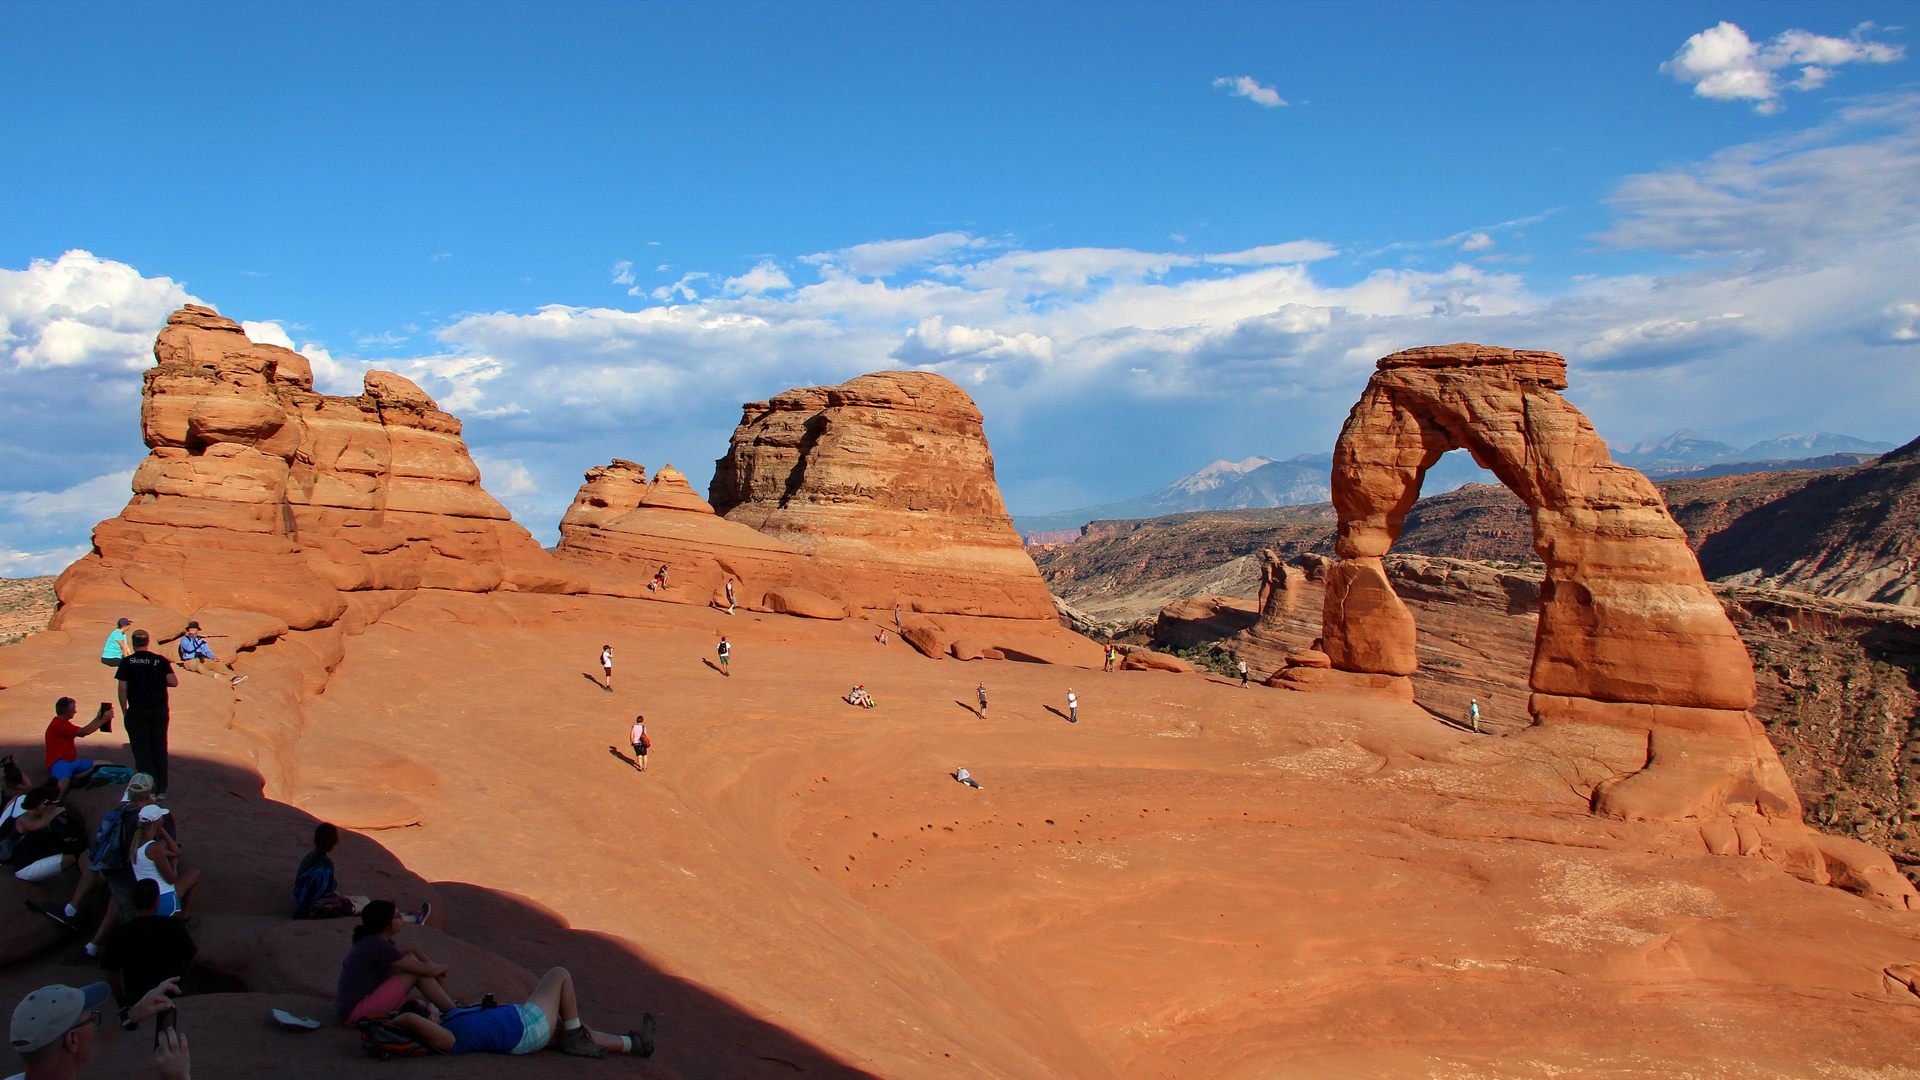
(106,728)
(163,1022)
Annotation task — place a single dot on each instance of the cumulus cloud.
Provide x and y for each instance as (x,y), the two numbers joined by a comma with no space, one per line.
(1724,64)
(766,277)
(1477,242)
(1244,86)
(79,311)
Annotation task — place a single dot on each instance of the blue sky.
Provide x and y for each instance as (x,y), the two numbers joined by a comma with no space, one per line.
(1144,236)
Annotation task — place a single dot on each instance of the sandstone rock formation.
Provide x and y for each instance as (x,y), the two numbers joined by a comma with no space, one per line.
(1629,636)
(621,529)
(886,484)
(283,519)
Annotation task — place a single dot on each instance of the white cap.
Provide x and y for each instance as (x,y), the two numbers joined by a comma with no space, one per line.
(151,814)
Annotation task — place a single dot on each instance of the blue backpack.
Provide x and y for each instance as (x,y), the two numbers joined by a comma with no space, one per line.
(309,888)
(113,838)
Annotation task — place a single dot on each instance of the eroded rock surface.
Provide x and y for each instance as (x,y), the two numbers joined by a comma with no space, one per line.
(886,484)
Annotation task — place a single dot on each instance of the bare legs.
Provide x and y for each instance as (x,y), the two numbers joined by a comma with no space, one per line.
(427,987)
(554,996)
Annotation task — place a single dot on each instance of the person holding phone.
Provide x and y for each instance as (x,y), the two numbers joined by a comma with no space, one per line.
(53,1031)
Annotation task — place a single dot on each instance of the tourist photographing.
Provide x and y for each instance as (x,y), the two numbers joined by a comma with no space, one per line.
(54,1031)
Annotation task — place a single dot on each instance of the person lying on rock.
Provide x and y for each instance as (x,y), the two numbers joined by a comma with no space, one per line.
(53,1031)
(316,892)
(378,976)
(550,1018)
(145,951)
(156,858)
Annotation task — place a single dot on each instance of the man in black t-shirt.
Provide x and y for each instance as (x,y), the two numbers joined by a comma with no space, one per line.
(146,950)
(144,678)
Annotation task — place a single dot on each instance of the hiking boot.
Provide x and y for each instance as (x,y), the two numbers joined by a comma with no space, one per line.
(579,1043)
(643,1038)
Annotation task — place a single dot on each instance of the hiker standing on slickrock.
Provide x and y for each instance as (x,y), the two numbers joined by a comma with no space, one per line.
(606,664)
(144,678)
(1473,712)
(729,596)
(725,650)
(1243,674)
(1111,654)
(983,700)
(1073,707)
(641,744)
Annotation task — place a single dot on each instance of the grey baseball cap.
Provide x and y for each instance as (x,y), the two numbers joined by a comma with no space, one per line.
(51,1011)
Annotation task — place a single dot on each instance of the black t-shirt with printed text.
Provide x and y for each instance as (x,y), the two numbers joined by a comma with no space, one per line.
(147,951)
(145,674)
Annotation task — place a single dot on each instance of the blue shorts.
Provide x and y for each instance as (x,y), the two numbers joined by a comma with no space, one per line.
(65,770)
(169,903)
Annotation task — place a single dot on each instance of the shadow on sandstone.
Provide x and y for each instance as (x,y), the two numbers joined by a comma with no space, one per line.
(494,941)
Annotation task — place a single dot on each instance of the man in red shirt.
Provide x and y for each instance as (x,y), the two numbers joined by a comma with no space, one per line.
(61,730)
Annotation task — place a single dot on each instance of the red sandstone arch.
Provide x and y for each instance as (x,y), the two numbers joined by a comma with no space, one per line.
(1630,635)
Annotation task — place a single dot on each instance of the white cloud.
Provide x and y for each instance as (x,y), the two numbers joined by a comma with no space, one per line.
(1294,251)
(1902,325)
(623,272)
(1244,86)
(79,311)
(1477,242)
(885,257)
(19,564)
(1724,64)
(766,277)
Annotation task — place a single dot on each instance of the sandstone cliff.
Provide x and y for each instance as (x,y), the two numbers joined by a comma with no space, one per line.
(886,485)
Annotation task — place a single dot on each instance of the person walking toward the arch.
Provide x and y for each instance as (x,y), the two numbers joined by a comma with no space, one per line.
(1243,674)
(1073,707)
(725,651)
(606,665)
(641,744)
(982,691)
(1473,712)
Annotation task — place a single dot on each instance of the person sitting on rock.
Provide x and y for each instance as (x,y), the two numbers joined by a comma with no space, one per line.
(116,647)
(316,892)
(378,976)
(197,656)
(62,765)
(550,1018)
(859,696)
(146,950)
(47,837)
(110,859)
(15,780)
(156,858)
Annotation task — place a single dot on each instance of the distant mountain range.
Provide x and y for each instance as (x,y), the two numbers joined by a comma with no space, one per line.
(1259,482)
(1682,450)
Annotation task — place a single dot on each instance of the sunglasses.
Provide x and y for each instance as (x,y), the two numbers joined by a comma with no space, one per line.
(92,1019)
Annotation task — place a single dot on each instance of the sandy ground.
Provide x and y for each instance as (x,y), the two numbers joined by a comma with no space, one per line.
(1196,880)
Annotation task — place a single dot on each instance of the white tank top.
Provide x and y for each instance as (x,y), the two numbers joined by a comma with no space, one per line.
(145,870)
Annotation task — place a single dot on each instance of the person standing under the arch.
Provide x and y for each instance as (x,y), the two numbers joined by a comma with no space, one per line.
(729,596)
(606,665)
(641,744)
(725,651)
(1112,654)
(1073,707)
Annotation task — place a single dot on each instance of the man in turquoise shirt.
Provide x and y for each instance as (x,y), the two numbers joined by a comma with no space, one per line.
(116,646)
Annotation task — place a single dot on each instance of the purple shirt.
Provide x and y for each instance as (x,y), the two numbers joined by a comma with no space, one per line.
(369,963)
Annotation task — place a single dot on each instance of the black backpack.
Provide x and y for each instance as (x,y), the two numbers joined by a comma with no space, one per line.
(381,1040)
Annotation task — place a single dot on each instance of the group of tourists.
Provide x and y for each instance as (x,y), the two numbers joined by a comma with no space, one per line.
(141,935)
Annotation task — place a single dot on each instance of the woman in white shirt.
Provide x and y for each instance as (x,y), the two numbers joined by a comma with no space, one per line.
(155,857)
